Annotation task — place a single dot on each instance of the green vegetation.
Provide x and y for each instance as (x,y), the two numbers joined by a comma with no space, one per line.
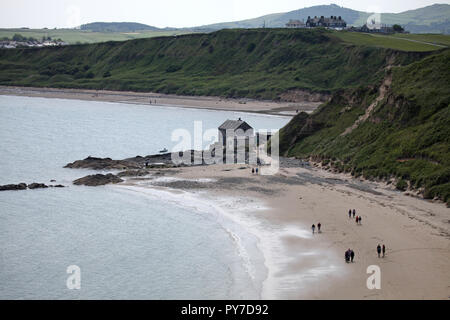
(441,39)
(75,36)
(404,42)
(406,136)
(254,63)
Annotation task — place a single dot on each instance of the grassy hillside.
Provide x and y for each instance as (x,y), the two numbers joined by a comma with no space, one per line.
(259,63)
(404,42)
(430,19)
(405,136)
(74,36)
(117,27)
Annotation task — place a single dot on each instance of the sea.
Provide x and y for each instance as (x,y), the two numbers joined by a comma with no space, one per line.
(125,243)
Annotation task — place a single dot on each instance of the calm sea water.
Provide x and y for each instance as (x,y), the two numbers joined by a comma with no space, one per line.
(129,245)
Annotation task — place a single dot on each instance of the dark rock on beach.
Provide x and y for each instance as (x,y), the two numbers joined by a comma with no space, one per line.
(35,185)
(133,173)
(155,161)
(20,186)
(103,163)
(98,180)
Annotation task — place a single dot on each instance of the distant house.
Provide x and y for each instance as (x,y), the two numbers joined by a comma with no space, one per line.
(235,129)
(332,22)
(295,24)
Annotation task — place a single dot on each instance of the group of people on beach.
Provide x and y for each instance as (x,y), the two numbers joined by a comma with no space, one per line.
(255,170)
(313,227)
(353,212)
(381,250)
(350,254)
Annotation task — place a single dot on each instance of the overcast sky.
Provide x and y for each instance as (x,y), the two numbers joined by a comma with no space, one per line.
(173,13)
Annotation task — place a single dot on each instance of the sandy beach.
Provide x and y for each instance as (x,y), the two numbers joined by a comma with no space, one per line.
(280,209)
(197,102)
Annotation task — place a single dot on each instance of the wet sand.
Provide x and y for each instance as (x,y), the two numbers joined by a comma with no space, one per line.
(212,103)
(301,265)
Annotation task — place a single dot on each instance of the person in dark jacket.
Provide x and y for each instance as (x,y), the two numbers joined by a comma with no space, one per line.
(352,255)
(384,250)
(379,250)
(347,255)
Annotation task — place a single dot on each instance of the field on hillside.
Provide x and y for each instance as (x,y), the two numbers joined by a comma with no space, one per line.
(404,42)
(441,39)
(74,36)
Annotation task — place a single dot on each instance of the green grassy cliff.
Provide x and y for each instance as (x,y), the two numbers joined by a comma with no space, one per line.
(259,63)
(397,129)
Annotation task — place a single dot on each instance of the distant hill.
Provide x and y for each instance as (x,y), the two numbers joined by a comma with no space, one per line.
(431,19)
(117,27)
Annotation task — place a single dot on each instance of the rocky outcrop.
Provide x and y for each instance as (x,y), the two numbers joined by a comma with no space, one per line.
(155,161)
(133,173)
(23,186)
(103,163)
(20,186)
(98,180)
(35,185)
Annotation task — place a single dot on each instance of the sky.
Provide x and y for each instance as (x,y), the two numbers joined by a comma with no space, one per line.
(169,13)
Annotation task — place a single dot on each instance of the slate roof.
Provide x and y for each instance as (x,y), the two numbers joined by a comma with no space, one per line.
(233,124)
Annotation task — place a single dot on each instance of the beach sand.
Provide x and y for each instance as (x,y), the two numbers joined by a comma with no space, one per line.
(158,99)
(301,265)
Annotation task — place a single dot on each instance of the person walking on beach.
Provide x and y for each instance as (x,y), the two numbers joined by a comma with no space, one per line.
(349,213)
(354,212)
(313,228)
(384,250)
(379,250)
(359,220)
(352,255)
(253,170)
(318,227)
(347,255)
(256,170)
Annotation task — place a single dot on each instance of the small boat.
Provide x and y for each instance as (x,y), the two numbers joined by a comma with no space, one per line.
(163,150)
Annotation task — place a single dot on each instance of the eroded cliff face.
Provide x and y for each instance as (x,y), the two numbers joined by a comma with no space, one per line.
(396,131)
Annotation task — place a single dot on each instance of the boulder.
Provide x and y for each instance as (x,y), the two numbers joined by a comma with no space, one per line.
(35,185)
(98,180)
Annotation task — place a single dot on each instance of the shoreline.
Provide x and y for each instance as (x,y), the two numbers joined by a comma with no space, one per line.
(305,266)
(244,241)
(287,109)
